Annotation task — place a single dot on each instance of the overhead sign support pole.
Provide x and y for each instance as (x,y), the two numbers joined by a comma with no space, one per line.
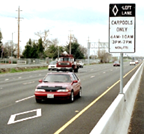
(121,73)
(122,32)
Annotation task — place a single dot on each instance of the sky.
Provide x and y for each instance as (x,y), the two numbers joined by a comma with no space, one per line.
(82,18)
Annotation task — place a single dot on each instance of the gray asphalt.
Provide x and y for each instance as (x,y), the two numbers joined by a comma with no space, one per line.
(95,81)
(137,119)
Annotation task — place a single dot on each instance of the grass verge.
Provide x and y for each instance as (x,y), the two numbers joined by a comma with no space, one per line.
(15,70)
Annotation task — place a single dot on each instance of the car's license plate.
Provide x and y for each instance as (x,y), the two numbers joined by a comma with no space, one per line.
(50,95)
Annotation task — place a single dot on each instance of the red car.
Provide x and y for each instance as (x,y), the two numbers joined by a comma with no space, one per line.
(116,63)
(58,85)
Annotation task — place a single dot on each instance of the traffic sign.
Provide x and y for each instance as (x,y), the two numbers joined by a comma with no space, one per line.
(122,27)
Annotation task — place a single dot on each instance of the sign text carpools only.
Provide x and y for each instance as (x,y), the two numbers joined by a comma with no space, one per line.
(122,28)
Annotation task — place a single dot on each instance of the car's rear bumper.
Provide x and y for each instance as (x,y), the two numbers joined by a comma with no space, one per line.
(52,69)
(64,68)
(116,65)
(132,63)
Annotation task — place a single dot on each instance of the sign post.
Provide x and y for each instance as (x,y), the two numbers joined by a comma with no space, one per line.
(122,32)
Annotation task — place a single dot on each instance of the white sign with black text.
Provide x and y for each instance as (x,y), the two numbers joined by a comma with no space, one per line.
(122,28)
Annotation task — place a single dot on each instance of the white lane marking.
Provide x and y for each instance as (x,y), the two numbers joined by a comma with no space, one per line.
(92,76)
(103,72)
(19,77)
(6,79)
(24,99)
(12,118)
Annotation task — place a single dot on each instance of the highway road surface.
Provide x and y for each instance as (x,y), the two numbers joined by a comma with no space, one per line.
(20,114)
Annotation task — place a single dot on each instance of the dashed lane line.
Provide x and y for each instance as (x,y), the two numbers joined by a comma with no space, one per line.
(24,99)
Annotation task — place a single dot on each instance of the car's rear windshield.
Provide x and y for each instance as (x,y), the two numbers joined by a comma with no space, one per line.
(60,78)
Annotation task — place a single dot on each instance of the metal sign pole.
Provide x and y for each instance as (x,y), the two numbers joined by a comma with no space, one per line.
(121,73)
(122,32)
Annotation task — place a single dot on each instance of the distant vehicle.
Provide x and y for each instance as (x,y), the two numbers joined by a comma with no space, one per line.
(136,62)
(66,62)
(58,85)
(81,64)
(116,63)
(132,63)
(52,65)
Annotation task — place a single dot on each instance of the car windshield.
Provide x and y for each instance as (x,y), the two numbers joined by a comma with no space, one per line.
(53,63)
(65,59)
(61,78)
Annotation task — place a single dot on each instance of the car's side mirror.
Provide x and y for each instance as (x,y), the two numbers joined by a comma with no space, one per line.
(40,81)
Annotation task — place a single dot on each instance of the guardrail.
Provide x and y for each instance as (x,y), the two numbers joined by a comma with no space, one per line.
(116,119)
(21,62)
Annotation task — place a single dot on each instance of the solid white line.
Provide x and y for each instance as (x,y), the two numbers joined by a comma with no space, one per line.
(24,99)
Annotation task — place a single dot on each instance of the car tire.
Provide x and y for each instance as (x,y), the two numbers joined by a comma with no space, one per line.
(38,100)
(80,93)
(72,97)
(76,70)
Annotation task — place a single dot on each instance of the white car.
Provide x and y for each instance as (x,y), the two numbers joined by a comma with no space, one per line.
(52,65)
(81,64)
(132,63)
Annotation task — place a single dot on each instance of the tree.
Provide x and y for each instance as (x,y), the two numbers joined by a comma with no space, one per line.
(103,56)
(34,53)
(34,50)
(9,49)
(27,53)
(75,50)
(83,50)
(53,49)
(1,37)
(43,36)
(40,49)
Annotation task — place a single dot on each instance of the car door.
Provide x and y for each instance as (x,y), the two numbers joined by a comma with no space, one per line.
(76,86)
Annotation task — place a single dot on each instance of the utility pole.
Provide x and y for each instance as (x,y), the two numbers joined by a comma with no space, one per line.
(18,30)
(70,43)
